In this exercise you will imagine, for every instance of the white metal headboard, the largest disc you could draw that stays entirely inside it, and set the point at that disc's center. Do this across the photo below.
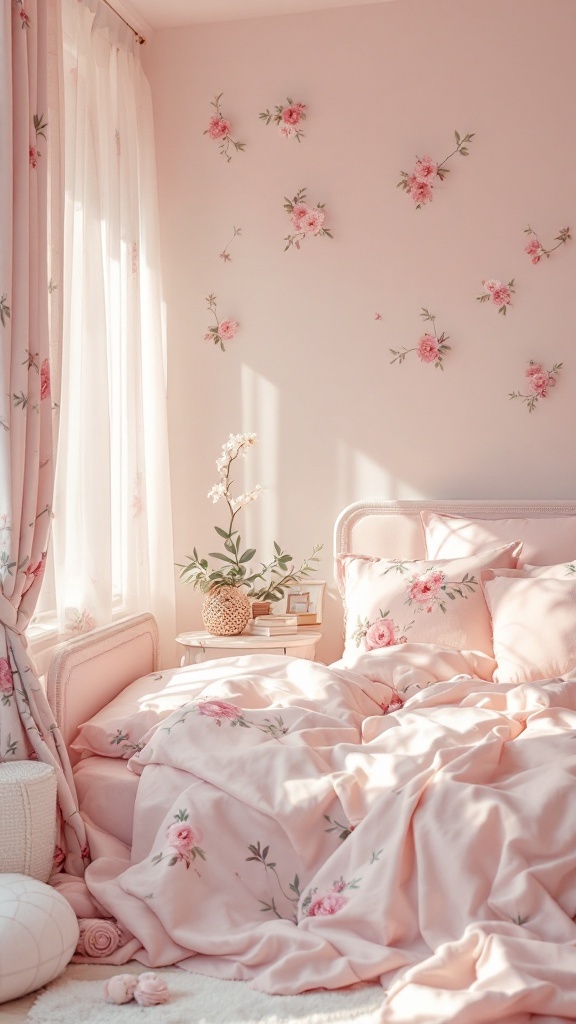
(393, 529)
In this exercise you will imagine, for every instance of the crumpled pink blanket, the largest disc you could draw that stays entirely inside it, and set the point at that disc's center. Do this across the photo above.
(305, 826)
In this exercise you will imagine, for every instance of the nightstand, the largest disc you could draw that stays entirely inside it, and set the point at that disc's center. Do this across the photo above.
(201, 646)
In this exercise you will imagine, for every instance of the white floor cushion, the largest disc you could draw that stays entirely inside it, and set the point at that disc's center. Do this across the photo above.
(38, 935)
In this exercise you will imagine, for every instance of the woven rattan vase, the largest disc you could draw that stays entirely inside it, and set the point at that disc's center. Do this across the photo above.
(226, 611)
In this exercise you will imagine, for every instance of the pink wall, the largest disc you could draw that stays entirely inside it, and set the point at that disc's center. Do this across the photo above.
(309, 369)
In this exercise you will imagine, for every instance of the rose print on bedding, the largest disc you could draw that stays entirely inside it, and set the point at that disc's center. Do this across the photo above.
(260, 855)
(306, 220)
(419, 183)
(540, 382)
(430, 590)
(183, 840)
(381, 632)
(431, 347)
(221, 711)
(122, 739)
(329, 902)
(287, 117)
(534, 248)
(498, 293)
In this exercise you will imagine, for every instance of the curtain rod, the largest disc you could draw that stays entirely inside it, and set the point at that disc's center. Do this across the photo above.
(140, 38)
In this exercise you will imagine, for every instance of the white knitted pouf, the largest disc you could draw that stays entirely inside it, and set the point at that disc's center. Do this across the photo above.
(27, 818)
(38, 935)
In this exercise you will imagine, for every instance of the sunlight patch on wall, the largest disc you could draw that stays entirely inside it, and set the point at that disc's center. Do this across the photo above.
(260, 415)
(361, 476)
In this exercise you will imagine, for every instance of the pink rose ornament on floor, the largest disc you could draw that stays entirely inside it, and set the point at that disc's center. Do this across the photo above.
(120, 989)
(306, 220)
(539, 383)
(420, 181)
(99, 937)
(431, 347)
(151, 990)
(146, 989)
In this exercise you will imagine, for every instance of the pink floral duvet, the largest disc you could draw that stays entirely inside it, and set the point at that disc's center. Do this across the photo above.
(396, 818)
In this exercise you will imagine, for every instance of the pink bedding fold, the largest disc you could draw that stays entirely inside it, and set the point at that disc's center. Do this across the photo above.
(305, 826)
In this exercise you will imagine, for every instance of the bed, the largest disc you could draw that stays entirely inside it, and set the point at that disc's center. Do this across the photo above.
(405, 814)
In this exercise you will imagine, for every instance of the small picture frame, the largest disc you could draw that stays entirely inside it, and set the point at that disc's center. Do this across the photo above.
(297, 603)
(306, 601)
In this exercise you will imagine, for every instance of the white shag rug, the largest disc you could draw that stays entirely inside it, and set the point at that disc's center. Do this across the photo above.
(194, 997)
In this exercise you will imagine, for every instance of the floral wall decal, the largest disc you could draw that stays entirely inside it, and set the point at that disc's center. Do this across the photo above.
(224, 330)
(539, 383)
(288, 118)
(219, 129)
(225, 255)
(306, 220)
(419, 183)
(431, 348)
(498, 293)
(535, 250)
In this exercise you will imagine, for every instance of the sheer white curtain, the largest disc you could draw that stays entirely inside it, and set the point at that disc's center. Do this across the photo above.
(112, 532)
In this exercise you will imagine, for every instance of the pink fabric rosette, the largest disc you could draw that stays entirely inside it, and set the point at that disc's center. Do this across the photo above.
(99, 937)
(151, 990)
(120, 989)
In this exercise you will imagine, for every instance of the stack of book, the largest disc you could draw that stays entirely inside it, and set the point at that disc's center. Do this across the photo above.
(274, 625)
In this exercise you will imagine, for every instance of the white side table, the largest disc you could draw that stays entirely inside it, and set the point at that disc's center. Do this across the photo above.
(201, 646)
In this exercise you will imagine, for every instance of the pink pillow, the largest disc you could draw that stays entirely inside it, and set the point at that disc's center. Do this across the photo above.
(117, 730)
(562, 571)
(533, 625)
(544, 541)
(438, 602)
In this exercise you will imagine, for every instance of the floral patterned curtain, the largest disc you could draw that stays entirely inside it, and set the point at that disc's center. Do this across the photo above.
(27, 726)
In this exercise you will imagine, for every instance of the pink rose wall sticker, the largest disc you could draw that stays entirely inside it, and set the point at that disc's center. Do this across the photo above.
(288, 118)
(224, 330)
(539, 383)
(419, 183)
(535, 250)
(306, 220)
(219, 129)
(431, 348)
(498, 293)
(225, 255)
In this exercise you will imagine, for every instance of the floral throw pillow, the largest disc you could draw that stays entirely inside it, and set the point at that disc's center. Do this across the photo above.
(438, 602)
